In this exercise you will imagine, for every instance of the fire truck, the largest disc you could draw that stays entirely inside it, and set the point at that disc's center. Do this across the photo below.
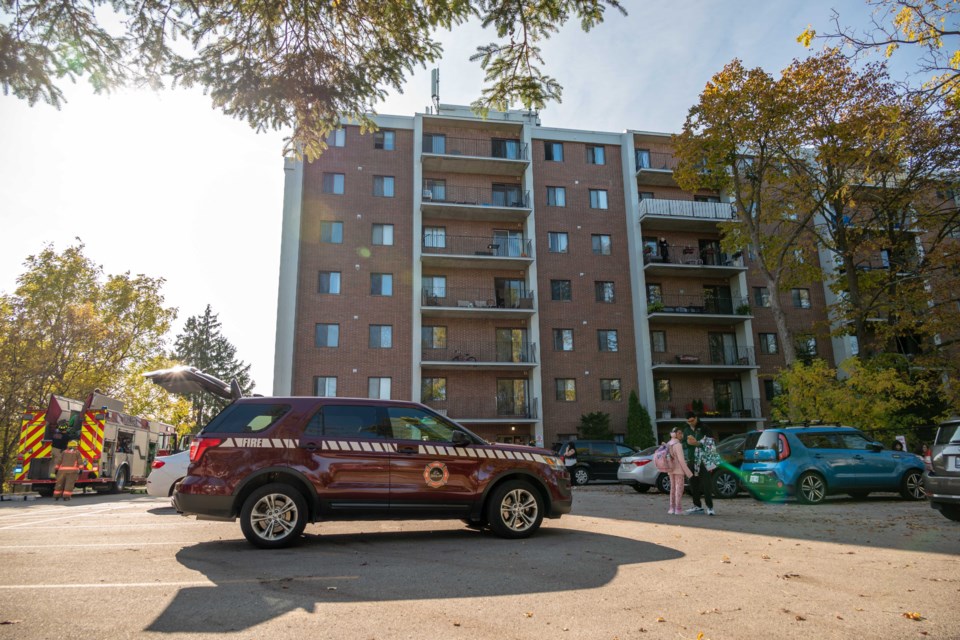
(116, 449)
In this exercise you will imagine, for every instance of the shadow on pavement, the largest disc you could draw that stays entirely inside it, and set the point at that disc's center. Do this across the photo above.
(253, 586)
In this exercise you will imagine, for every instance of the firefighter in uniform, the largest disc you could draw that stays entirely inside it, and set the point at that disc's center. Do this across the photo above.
(59, 442)
(67, 472)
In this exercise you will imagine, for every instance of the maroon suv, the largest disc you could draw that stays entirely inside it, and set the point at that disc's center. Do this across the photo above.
(279, 463)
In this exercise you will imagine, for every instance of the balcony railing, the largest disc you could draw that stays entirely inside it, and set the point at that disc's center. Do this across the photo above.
(699, 303)
(477, 245)
(476, 147)
(702, 353)
(656, 161)
(687, 209)
(483, 352)
(687, 254)
(477, 298)
(733, 407)
(486, 409)
(480, 196)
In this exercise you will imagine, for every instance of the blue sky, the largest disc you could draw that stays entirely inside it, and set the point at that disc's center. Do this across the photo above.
(162, 184)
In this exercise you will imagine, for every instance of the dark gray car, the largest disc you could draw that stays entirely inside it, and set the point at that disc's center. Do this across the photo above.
(942, 479)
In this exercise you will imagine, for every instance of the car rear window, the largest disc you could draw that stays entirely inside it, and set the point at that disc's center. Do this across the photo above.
(246, 418)
(948, 433)
(767, 440)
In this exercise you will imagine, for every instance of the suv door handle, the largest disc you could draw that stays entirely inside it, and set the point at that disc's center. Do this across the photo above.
(310, 446)
(407, 448)
(817, 455)
(858, 457)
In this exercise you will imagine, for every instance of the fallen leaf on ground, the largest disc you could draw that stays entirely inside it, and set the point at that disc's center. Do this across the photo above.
(725, 559)
(800, 618)
(912, 615)
(661, 619)
(529, 614)
(456, 624)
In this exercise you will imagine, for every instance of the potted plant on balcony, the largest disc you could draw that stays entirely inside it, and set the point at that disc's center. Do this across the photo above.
(743, 310)
(697, 406)
(654, 307)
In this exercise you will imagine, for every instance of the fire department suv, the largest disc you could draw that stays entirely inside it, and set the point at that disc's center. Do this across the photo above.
(115, 448)
(279, 463)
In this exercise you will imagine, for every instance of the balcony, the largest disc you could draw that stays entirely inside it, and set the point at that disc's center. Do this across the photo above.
(687, 215)
(475, 203)
(655, 167)
(478, 252)
(487, 156)
(493, 410)
(698, 309)
(476, 303)
(727, 409)
(490, 355)
(700, 357)
(690, 261)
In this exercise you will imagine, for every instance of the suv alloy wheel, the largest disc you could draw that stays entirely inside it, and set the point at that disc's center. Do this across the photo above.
(273, 516)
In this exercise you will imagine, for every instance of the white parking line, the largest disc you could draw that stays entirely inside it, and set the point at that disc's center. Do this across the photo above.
(72, 513)
(92, 545)
(165, 585)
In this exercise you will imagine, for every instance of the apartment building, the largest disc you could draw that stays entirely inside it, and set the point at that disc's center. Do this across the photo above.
(515, 277)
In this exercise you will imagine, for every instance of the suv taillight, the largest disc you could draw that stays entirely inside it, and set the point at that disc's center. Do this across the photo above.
(783, 450)
(199, 446)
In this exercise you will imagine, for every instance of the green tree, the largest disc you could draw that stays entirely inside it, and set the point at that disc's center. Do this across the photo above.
(201, 345)
(595, 426)
(640, 433)
(69, 328)
(299, 65)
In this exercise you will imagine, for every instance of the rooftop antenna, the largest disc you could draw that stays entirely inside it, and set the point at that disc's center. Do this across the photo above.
(435, 88)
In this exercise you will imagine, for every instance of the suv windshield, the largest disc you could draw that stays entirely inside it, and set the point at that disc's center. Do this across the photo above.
(949, 434)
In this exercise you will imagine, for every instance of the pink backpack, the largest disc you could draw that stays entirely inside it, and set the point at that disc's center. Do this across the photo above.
(662, 458)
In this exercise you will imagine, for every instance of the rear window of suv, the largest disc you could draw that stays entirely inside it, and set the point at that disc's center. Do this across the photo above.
(948, 433)
(246, 418)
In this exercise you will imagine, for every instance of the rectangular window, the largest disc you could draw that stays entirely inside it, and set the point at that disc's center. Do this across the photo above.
(381, 336)
(601, 244)
(337, 138)
(381, 284)
(330, 282)
(761, 297)
(595, 154)
(333, 183)
(566, 389)
(433, 337)
(325, 386)
(714, 199)
(801, 298)
(654, 294)
(603, 291)
(647, 195)
(435, 237)
(505, 148)
(553, 151)
(560, 290)
(610, 389)
(327, 335)
(643, 158)
(433, 389)
(556, 196)
(662, 389)
(598, 198)
(768, 343)
(557, 240)
(382, 235)
(434, 190)
(806, 347)
(331, 232)
(772, 388)
(563, 339)
(434, 286)
(658, 341)
(607, 339)
(384, 140)
(378, 388)
(383, 186)
(434, 143)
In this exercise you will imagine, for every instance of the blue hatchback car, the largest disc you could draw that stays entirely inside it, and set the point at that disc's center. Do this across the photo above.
(810, 463)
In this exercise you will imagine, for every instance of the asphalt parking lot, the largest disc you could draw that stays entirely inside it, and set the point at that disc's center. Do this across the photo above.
(619, 567)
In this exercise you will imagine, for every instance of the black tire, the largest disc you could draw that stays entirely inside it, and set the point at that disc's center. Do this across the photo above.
(726, 484)
(45, 491)
(951, 512)
(858, 495)
(663, 483)
(811, 488)
(273, 516)
(121, 480)
(173, 487)
(579, 476)
(515, 510)
(641, 488)
(911, 485)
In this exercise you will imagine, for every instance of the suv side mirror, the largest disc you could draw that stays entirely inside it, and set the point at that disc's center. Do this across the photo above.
(460, 439)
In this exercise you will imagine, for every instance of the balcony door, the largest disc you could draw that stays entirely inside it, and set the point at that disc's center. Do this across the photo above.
(508, 243)
(506, 195)
(503, 148)
(723, 348)
(510, 292)
(512, 345)
(513, 398)
(728, 397)
(717, 299)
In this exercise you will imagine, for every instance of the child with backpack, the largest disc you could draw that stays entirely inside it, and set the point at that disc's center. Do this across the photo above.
(676, 468)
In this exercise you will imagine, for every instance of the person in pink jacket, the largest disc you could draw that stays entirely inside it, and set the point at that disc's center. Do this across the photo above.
(678, 469)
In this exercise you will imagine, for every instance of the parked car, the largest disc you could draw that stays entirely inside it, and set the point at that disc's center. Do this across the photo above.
(726, 477)
(596, 459)
(942, 479)
(811, 463)
(166, 472)
(639, 472)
